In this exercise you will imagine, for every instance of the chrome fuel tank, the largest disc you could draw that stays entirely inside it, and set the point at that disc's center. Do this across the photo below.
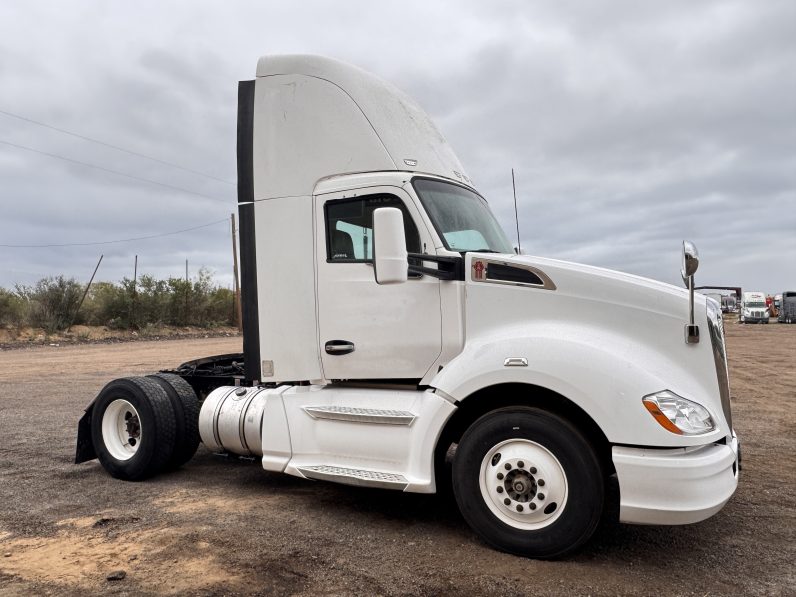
(231, 420)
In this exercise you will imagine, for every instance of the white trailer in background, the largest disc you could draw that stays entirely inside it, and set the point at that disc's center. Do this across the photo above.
(392, 338)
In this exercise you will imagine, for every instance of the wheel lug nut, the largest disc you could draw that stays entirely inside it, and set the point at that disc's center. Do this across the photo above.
(500, 475)
(540, 482)
(500, 489)
(507, 501)
(519, 508)
(532, 506)
(521, 464)
(507, 466)
(532, 470)
(540, 496)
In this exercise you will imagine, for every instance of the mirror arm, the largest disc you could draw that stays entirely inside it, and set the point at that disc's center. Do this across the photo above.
(690, 265)
(449, 268)
(691, 329)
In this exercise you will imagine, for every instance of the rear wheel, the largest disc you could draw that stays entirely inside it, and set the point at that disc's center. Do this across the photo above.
(528, 482)
(186, 413)
(133, 428)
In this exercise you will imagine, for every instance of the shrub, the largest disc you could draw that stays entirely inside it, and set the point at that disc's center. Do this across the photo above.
(13, 309)
(51, 302)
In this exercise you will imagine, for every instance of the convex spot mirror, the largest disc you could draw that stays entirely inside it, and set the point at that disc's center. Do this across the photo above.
(690, 261)
(389, 246)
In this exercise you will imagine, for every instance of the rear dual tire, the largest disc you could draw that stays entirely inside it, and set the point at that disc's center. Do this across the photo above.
(144, 425)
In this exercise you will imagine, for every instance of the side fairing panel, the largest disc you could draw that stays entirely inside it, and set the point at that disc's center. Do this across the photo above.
(377, 432)
(286, 290)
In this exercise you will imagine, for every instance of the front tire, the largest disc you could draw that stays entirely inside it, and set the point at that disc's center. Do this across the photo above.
(133, 428)
(528, 483)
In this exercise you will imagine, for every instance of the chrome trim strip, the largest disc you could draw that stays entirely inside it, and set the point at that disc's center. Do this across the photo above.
(716, 330)
(360, 415)
(351, 476)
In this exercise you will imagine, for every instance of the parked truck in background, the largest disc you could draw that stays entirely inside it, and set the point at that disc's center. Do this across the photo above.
(753, 308)
(787, 309)
(392, 338)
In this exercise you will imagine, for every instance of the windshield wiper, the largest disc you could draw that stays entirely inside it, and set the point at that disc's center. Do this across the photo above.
(481, 251)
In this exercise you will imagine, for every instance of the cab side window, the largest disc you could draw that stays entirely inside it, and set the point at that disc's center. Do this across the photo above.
(349, 227)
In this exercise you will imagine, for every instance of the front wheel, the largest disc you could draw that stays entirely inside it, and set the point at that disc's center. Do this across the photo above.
(528, 482)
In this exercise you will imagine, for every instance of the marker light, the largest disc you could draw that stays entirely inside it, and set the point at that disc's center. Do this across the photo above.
(677, 414)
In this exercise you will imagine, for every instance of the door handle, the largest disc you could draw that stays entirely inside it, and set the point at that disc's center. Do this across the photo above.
(338, 347)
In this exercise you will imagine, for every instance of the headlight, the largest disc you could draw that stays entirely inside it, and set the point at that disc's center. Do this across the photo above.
(677, 414)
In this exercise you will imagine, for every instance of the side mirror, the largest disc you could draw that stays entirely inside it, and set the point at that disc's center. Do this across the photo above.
(389, 246)
(690, 261)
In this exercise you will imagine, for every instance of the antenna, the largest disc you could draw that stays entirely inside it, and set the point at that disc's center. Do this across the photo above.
(516, 217)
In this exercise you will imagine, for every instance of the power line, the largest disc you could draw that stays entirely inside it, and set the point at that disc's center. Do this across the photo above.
(149, 180)
(121, 240)
(116, 147)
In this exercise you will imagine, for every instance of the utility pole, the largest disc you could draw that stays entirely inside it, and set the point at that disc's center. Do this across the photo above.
(135, 293)
(71, 323)
(187, 289)
(236, 308)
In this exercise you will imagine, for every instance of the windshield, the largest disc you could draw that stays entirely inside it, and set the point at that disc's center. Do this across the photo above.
(751, 304)
(461, 217)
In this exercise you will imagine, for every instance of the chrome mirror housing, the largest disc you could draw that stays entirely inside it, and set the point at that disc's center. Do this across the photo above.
(690, 261)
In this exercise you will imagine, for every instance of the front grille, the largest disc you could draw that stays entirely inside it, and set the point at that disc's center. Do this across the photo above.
(716, 328)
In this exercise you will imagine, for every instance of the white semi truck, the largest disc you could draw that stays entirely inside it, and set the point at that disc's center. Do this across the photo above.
(393, 338)
(753, 308)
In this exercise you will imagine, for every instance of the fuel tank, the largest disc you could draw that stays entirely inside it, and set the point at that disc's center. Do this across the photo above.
(231, 420)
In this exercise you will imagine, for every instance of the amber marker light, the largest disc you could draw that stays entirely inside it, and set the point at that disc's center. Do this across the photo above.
(660, 417)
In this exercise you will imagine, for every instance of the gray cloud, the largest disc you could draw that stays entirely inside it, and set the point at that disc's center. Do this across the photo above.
(630, 125)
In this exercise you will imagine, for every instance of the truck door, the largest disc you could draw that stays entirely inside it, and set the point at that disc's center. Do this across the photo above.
(367, 330)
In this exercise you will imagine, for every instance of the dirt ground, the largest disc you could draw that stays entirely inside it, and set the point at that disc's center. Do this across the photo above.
(224, 527)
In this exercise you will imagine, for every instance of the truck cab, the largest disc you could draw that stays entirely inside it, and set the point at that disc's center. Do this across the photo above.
(753, 308)
(393, 338)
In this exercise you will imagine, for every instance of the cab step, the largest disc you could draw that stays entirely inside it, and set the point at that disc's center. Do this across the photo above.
(352, 476)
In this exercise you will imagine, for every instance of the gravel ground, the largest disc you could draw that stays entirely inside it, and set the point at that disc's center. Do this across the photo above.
(224, 527)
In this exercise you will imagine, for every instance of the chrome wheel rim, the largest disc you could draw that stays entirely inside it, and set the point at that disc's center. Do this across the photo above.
(523, 484)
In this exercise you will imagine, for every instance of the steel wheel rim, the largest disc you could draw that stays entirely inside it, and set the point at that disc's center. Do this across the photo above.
(523, 484)
(121, 429)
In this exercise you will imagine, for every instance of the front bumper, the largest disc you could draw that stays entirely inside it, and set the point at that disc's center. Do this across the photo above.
(675, 486)
(747, 319)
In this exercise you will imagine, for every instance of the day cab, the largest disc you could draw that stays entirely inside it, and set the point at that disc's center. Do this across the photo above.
(393, 338)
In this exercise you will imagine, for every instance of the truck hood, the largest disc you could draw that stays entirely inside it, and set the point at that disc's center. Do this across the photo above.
(600, 285)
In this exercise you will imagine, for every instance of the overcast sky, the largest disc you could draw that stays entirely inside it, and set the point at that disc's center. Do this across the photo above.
(630, 125)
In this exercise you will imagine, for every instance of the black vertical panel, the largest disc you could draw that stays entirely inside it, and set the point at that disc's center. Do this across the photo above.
(248, 246)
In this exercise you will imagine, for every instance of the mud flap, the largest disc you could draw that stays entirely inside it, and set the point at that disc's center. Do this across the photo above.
(85, 447)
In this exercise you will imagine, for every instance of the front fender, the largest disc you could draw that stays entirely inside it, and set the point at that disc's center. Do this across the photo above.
(604, 373)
